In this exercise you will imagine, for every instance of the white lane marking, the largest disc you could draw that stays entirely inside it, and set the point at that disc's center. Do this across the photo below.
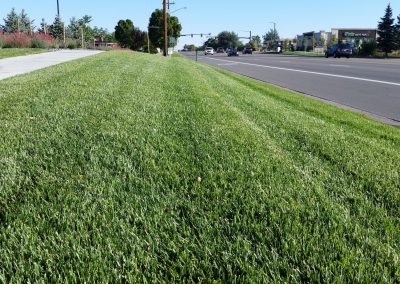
(338, 65)
(311, 72)
(227, 64)
(284, 61)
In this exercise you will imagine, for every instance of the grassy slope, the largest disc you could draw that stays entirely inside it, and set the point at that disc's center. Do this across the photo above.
(124, 166)
(13, 52)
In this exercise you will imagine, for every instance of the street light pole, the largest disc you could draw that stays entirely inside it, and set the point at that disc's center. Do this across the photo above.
(183, 8)
(58, 8)
(165, 28)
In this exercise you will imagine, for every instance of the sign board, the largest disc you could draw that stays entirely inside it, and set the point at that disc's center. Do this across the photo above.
(356, 34)
(172, 40)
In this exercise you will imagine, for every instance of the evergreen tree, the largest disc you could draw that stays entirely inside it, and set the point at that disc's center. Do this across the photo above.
(25, 23)
(397, 33)
(11, 22)
(386, 32)
(74, 28)
(57, 28)
(44, 27)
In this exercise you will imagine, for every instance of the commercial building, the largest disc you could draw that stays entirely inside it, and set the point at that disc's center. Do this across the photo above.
(311, 40)
(356, 36)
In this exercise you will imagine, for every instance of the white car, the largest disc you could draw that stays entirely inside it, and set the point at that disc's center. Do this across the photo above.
(209, 50)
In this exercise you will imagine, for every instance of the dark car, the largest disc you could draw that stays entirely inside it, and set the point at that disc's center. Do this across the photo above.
(247, 50)
(233, 52)
(338, 50)
(220, 50)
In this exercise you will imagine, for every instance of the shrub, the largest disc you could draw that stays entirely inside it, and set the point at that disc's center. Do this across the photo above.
(17, 40)
(38, 43)
(368, 48)
(71, 44)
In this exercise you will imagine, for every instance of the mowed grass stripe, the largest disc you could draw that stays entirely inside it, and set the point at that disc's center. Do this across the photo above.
(124, 167)
(13, 52)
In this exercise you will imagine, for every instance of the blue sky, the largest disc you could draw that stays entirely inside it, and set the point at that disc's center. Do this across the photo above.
(291, 16)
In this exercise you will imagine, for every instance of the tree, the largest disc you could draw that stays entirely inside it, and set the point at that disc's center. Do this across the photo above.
(138, 39)
(228, 39)
(397, 33)
(190, 47)
(211, 42)
(84, 24)
(255, 42)
(74, 28)
(368, 48)
(123, 33)
(386, 32)
(44, 27)
(332, 41)
(104, 33)
(271, 37)
(322, 41)
(57, 28)
(156, 27)
(313, 42)
(25, 23)
(11, 22)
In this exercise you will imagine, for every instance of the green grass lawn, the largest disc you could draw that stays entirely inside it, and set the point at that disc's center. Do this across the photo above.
(13, 52)
(127, 167)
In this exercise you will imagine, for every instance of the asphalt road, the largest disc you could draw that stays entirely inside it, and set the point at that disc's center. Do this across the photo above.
(370, 86)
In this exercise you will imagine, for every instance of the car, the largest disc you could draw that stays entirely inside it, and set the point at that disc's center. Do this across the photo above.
(233, 52)
(209, 50)
(247, 50)
(338, 50)
(220, 50)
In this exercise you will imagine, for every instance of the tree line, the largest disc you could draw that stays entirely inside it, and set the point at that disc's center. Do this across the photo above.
(21, 23)
(126, 34)
(129, 36)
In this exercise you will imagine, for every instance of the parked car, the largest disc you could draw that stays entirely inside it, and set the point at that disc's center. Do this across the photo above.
(247, 50)
(233, 52)
(338, 50)
(220, 50)
(209, 50)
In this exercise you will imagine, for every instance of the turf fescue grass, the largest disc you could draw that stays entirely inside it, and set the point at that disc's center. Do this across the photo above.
(13, 52)
(127, 167)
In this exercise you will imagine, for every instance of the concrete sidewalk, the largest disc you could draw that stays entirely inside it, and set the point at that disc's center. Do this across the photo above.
(24, 64)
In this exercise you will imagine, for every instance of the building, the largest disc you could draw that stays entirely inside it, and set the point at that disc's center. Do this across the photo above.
(99, 42)
(311, 40)
(355, 36)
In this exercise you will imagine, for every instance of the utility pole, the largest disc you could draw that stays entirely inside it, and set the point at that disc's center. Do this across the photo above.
(165, 28)
(64, 34)
(82, 37)
(169, 3)
(58, 8)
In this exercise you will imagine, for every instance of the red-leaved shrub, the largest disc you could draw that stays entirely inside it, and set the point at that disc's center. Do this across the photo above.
(22, 40)
(16, 40)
